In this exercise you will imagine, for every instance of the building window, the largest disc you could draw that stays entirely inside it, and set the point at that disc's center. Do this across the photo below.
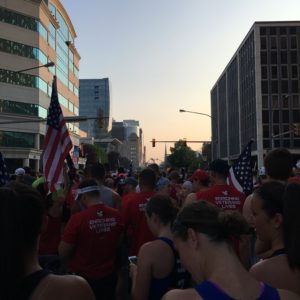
(265, 116)
(274, 85)
(294, 71)
(273, 30)
(263, 31)
(22, 50)
(265, 103)
(295, 88)
(283, 57)
(22, 79)
(20, 108)
(294, 57)
(293, 42)
(285, 101)
(264, 72)
(296, 116)
(273, 42)
(275, 102)
(285, 116)
(275, 129)
(274, 57)
(263, 42)
(284, 86)
(275, 116)
(266, 131)
(295, 101)
(283, 42)
(292, 30)
(264, 87)
(263, 58)
(13, 18)
(17, 139)
(274, 72)
(284, 72)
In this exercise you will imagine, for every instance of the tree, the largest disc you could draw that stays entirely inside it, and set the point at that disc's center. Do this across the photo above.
(94, 153)
(183, 156)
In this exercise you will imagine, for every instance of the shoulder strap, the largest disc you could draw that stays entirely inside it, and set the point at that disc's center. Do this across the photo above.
(268, 293)
(208, 291)
(167, 241)
(30, 283)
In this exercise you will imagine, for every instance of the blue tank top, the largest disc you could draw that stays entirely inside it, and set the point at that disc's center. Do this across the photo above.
(210, 291)
(179, 277)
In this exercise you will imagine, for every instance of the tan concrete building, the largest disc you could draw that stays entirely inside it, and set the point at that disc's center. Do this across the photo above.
(33, 33)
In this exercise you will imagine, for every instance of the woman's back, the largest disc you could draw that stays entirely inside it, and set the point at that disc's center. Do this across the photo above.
(62, 287)
(276, 272)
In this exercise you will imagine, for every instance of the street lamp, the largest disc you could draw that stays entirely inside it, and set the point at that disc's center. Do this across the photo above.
(194, 112)
(47, 65)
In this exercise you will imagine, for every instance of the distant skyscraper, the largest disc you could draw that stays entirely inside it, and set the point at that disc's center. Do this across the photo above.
(94, 99)
(131, 136)
(257, 95)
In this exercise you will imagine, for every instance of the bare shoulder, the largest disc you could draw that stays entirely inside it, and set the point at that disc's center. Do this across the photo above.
(190, 294)
(190, 199)
(287, 295)
(67, 287)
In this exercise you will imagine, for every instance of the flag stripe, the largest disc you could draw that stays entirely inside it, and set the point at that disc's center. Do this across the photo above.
(57, 144)
(240, 173)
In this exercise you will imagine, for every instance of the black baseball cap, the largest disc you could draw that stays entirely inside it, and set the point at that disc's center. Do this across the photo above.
(219, 166)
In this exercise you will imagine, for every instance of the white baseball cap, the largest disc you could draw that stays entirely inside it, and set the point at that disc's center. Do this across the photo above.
(19, 172)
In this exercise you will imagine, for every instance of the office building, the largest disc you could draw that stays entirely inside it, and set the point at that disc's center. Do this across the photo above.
(94, 95)
(257, 95)
(34, 33)
(131, 136)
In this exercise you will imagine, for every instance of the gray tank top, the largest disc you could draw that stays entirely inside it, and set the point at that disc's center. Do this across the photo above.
(106, 196)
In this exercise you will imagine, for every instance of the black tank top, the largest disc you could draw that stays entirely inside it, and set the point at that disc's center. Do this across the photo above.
(30, 283)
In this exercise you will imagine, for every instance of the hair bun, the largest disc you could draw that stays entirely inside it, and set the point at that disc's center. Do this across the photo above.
(232, 223)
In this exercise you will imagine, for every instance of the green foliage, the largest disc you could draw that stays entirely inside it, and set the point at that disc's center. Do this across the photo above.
(183, 156)
(94, 153)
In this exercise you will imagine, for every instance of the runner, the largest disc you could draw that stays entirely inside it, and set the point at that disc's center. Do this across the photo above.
(153, 276)
(91, 239)
(202, 236)
(22, 219)
(221, 194)
(274, 205)
(134, 213)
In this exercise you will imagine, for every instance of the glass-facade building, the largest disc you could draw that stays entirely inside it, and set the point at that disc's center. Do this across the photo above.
(257, 95)
(33, 34)
(94, 95)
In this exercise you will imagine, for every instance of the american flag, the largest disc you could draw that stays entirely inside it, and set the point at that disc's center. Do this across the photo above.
(240, 173)
(4, 176)
(57, 144)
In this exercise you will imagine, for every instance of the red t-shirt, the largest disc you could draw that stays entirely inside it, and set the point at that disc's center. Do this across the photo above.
(95, 234)
(135, 219)
(224, 196)
(50, 239)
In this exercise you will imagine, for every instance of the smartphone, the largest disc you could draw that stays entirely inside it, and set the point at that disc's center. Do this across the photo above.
(132, 260)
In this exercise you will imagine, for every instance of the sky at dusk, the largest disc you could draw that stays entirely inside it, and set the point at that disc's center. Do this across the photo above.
(164, 55)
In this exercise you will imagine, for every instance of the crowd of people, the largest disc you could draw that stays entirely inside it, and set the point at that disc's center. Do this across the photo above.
(153, 235)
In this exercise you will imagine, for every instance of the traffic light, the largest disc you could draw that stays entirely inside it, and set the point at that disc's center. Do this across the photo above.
(296, 129)
(153, 142)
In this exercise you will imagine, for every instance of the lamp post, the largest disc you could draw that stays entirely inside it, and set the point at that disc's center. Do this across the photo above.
(194, 112)
(198, 113)
(47, 65)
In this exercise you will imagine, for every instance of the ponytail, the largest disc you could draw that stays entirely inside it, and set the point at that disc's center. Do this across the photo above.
(291, 224)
